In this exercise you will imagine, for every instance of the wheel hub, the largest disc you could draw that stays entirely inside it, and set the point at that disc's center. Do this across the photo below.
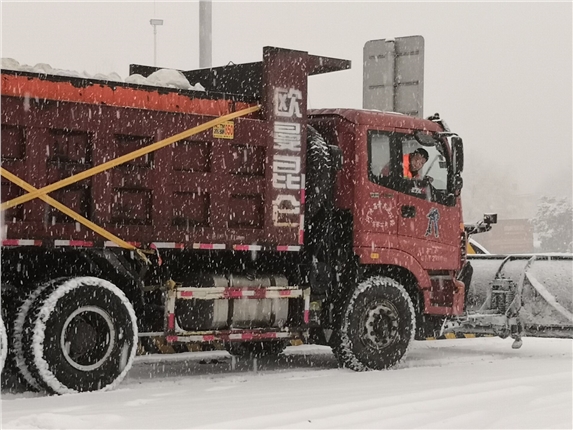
(87, 338)
(380, 325)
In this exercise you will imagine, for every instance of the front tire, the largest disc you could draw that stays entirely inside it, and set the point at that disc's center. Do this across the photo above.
(80, 334)
(377, 327)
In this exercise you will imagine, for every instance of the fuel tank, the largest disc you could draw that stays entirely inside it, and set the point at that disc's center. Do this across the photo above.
(227, 313)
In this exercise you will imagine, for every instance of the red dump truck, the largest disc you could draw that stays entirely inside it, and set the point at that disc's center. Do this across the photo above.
(233, 215)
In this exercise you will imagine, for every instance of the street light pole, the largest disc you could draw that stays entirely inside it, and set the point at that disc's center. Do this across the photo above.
(155, 23)
(205, 34)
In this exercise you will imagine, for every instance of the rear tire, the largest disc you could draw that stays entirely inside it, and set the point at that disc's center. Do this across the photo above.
(378, 326)
(23, 323)
(80, 334)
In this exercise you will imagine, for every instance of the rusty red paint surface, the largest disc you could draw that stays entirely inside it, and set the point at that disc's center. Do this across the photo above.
(199, 190)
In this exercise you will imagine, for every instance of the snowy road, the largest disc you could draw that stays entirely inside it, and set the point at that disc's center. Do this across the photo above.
(462, 383)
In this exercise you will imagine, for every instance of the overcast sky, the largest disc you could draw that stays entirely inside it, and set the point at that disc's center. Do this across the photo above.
(500, 74)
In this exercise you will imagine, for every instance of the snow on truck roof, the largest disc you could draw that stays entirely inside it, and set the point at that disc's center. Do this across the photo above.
(168, 78)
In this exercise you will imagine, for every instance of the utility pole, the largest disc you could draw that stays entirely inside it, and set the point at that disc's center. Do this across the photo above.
(205, 34)
(155, 23)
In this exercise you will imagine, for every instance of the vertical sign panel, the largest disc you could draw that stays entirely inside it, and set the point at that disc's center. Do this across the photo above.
(284, 107)
(378, 79)
(394, 75)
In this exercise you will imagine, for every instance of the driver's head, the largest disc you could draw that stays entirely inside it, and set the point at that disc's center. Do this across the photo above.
(417, 159)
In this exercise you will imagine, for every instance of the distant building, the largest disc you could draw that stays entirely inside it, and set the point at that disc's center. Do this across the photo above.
(508, 236)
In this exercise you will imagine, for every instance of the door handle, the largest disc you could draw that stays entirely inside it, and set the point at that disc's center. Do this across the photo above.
(408, 211)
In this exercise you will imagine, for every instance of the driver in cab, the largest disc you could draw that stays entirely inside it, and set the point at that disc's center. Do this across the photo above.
(414, 162)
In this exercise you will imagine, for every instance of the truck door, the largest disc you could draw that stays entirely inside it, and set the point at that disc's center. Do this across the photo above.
(377, 224)
(428, 217)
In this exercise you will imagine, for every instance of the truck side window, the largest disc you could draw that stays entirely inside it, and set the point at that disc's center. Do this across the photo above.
(379, 166)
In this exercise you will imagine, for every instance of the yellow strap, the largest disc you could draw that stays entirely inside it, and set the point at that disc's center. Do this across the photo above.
(123, 159)
(67, 211)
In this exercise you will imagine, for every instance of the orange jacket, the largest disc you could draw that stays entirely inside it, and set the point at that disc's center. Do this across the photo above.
(406, 166)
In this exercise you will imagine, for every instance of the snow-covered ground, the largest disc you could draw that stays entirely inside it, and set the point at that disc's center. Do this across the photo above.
(461, 383)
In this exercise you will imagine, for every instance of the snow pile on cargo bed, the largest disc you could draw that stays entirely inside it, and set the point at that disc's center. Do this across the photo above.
(169, 78)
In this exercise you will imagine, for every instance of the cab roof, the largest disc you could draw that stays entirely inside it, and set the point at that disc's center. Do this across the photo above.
(376, 118)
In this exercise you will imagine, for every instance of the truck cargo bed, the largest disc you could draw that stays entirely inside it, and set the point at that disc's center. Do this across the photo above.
(204, 190)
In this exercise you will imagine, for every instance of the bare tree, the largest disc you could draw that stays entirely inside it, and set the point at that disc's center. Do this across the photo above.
(554, 224)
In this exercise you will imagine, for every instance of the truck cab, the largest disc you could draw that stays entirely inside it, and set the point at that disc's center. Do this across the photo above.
(398, 223)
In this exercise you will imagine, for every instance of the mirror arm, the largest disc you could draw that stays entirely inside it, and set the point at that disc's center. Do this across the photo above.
(479, 227)
(446, 134)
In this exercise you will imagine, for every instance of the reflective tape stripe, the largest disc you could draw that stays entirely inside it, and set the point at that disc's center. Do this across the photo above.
(21, 242)
(288, 248)
(168, 245)
(459, 336)
(209, 246)
(110, 244)
(171, 321)
(247, 247)
(241, 336)
(306, 307)
(164, 245)
(73, 243)
(232, 293)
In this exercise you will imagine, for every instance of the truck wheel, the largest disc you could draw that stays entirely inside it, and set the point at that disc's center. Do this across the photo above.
(79, 334)
(377, 327)
(3, 344)
(255, 349)
(22, 321)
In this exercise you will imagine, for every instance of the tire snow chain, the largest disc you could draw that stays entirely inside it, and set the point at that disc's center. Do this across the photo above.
(42, 193)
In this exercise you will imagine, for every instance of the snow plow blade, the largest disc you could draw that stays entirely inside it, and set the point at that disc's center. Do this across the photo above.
(519, 295)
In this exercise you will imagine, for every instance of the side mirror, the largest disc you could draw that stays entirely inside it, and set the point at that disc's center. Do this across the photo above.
(490, 218)
(458, 154)
(425, 139)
